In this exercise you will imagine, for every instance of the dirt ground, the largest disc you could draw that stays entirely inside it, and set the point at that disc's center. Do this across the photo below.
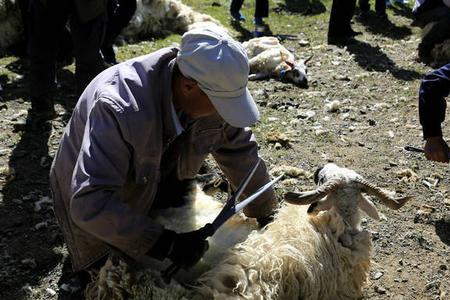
(359, 111)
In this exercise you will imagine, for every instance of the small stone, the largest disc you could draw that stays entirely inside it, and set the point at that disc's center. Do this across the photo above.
(41, 225)
(29, 262)
(303, 43)
(333, 106)
(278, 146)
(380, 290)
(17, 201)
(377, 275)
(372, 122)
(50, 291)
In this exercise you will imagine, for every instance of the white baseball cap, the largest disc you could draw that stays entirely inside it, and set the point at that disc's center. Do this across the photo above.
(220, 66)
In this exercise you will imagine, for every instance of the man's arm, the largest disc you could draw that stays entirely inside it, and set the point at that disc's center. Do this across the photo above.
(235, 158)
(432, 107)
(97, 205)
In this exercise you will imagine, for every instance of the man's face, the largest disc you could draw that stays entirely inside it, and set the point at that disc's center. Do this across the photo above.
(197, 104)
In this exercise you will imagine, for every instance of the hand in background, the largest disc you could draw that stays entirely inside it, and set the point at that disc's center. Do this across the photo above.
(436, 149)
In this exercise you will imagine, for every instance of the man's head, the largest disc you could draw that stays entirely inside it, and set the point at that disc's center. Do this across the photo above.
(214, 70)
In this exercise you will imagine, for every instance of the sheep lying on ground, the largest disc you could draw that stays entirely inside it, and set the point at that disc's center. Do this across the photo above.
(325, 255)
(268, 58)
(159, 17)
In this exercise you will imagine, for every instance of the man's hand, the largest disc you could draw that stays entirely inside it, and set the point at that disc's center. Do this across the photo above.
(436, 149)
(188, 248)
(263, 221)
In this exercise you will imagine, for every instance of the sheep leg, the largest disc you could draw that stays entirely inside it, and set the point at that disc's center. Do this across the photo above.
(259, 76)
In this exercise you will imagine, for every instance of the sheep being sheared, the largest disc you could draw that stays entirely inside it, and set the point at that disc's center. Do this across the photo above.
(319, 252)
(159, 17)
(268, 58)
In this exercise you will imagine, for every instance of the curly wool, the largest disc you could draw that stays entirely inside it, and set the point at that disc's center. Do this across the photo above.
(295, 257)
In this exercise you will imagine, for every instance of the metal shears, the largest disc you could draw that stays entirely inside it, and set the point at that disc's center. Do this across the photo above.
(230, 209)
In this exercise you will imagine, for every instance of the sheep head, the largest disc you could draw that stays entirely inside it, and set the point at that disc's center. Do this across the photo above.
(296, 72)
(343, 189)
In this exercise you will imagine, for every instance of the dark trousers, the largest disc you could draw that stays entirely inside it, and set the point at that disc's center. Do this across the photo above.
(120, 13)
(47, 22)
(380, 6)
(435, 33)
(340, 17)
(261, 8)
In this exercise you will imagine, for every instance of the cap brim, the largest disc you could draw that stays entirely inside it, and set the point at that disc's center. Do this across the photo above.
(237, 111)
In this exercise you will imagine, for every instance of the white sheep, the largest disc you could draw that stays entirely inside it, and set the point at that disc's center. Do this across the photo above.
(268, 58)
(10, 23)
(158, 17)
(316, 253)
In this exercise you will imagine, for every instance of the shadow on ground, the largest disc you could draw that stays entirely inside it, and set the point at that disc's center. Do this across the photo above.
(304, 7)
(372, 58)
(31, 241)
(383, 26)
(443, 231)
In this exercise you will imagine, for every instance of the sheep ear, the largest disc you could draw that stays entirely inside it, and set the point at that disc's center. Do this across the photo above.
(369, 208)
(323, 204)
(303, 198)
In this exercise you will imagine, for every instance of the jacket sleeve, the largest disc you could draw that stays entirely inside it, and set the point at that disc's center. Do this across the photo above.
(100, 172)
(434, 88)
(235, 157)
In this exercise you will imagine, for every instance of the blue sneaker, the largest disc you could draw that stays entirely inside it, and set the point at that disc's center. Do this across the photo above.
(237, 17)
(259, 31)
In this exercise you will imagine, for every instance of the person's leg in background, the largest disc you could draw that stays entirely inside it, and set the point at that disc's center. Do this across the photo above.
(87, 40)
(261, 12)
(380, 8)
(364, 6)
(120, 13)
(45, 23)
(235, 8)
(339, 26)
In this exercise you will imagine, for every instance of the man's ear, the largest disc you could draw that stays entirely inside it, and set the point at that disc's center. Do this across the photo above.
(188, 85)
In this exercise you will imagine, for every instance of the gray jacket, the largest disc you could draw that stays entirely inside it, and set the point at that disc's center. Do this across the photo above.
(106, 170)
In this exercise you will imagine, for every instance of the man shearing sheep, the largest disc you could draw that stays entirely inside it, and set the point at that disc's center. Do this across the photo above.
(140, 131)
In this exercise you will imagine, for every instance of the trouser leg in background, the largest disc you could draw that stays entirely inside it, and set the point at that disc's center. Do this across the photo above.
(435, 34)
(364, 5)
(46, 23)
(87, 39)
(380, 7)
(262, 9)
(339, 21)
(120, 13)
(236, 5)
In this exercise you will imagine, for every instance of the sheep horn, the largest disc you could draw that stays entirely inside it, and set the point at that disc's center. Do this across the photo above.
(305, 198)
(308, 59)
(393, 203)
